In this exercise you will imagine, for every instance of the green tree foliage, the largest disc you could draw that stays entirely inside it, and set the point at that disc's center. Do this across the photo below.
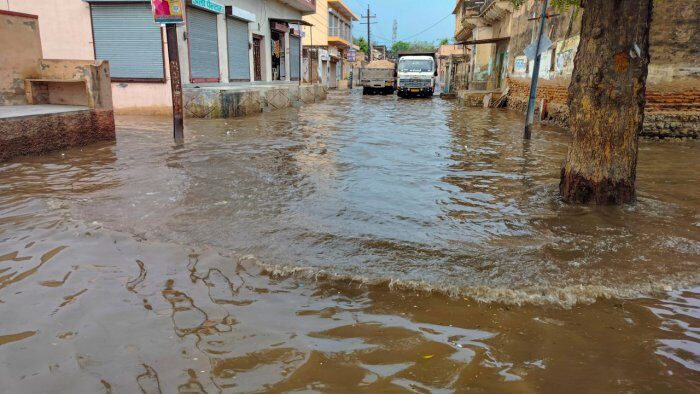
(444, 41)
(400, 46)
(360, 42)
(416, 46)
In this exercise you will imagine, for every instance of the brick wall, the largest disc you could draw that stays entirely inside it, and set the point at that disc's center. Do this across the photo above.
(668, 114)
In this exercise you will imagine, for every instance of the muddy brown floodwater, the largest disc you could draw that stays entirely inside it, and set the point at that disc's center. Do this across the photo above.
(362, 244)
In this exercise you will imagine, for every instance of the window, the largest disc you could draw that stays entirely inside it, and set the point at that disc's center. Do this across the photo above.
(418, 65)
(125, 35)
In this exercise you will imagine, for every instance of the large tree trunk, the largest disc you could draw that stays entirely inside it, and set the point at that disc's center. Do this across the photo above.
(606, 102)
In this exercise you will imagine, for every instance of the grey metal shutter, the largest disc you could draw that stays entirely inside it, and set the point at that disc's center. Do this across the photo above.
(238, 53)
(294, 53)
(125, 35)
(204, 44)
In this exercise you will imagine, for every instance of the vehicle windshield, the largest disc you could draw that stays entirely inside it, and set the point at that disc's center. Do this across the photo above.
(416, 65)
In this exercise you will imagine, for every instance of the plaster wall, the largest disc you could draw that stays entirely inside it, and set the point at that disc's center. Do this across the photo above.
(20, 39)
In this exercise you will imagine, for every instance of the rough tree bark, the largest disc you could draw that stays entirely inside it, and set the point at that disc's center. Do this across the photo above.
(606, 102)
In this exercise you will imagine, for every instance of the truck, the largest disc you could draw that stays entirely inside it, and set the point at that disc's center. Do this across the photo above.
(416, 74)
(378, 76)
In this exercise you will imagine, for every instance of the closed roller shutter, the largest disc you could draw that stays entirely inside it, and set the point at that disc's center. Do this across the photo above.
(294, 53)
(204, 46)
(238, 53)
(126, 36)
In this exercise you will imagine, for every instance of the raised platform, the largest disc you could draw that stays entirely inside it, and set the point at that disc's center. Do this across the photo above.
(230, 101)
(19, 111)
(36, 129)
(475, 98)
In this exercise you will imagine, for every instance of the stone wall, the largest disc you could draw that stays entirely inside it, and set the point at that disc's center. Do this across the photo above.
(230, 103)
(37, 134)
(668, 114)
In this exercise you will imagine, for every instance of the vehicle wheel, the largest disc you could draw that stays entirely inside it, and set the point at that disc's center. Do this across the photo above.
(364, 91)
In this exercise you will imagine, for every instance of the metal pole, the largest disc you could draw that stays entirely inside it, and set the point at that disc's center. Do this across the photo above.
(369, 41)
(470, 76)
(535, 75)
(311, 57)
(175, 82)
(448, 76)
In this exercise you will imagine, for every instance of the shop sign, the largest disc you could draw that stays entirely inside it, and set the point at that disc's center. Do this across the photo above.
(209, 5)
(167, 11)
(351, 54)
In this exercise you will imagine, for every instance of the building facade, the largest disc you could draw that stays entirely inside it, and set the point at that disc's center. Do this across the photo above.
(327, 41)
(498, 34)
(452, 67)
(222, 43)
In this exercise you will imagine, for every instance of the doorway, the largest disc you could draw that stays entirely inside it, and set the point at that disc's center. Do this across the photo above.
(257, 57)
(278, 58)
(333, 77)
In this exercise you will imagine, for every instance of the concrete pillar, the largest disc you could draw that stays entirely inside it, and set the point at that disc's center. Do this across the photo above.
(223, 47)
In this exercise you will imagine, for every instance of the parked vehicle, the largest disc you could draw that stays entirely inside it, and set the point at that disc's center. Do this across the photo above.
(378, 77)
(416, 74)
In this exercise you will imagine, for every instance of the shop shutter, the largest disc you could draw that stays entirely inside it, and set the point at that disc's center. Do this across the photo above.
(238, 53)
(204, 46)
(294, 53)
(126, 36)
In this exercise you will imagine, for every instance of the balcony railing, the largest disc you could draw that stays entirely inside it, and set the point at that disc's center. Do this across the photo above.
(345, 34)
(486, 5)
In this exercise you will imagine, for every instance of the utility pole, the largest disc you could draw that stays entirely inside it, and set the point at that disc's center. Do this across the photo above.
(369, 22)
(394, 32)
(535, 75)
(175, 82)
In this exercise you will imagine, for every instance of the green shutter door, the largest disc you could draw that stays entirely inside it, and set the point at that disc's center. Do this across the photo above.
(294, 54)
(238, 53)
(204, 45)
(126, 36)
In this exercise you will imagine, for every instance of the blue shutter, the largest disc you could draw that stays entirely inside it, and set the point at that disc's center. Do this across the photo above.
(294, 54)
(238, 53)
(125, 35)
(204, 44)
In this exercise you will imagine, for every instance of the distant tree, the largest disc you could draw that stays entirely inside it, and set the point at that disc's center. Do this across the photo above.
(416, 46)
(422, 46)
(444, 41)
(362, 43)
(400, 46)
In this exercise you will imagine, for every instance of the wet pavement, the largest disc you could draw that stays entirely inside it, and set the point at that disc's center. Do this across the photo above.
(359, 244)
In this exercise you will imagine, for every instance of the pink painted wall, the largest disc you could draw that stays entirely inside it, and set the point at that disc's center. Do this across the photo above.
(62, 40)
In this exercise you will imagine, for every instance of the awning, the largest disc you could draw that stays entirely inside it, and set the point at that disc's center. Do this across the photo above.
(484, 41)
(293, 21)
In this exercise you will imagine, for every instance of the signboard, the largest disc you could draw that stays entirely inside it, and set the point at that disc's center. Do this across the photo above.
(545, 44)
(168, 11)
(520, 66)
(209, 5)
(351, 55)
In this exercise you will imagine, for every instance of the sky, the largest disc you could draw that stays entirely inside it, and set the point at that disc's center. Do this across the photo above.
(413, 16)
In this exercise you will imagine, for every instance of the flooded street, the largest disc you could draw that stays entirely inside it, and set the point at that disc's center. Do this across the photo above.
(361, 244)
